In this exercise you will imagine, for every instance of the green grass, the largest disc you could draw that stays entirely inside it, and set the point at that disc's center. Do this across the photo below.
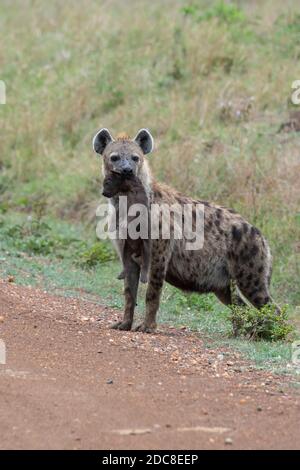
(211, 79)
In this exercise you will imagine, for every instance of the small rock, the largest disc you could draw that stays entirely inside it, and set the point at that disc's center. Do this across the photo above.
(11, 279)
(228, 441)
(1, 319)
(110, 381)
(259, 408)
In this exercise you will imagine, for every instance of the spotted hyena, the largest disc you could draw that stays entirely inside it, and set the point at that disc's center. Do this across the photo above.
(233, 251)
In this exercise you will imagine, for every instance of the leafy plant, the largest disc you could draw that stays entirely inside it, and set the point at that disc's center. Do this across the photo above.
(266, 323)
(34, 236)
(98, 253)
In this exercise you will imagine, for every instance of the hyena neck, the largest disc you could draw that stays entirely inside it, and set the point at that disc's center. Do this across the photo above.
(146, 178)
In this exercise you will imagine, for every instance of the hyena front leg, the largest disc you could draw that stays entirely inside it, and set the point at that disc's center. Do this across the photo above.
(157, 274)
(131, 283)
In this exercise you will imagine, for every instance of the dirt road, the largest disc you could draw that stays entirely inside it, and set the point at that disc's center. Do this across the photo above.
(70, 382)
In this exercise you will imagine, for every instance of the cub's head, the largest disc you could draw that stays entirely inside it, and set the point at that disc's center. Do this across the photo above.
(123, 155)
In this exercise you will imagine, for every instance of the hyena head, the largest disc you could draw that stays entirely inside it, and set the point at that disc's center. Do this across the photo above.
(123, 155)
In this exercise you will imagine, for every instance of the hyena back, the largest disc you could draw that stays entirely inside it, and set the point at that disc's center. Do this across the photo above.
(233, 250)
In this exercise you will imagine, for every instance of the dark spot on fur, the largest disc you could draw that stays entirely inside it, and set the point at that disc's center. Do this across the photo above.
(260, 269)
(219, 213)
(249, 277)
(254, 292)
(150, 296)
(205, 203)
(245, 227)
(257, 301)
(253, 251)
(208, 225)
(244, 255)
(254, 231)
(251, 265)
(236, 233)
(224, 271)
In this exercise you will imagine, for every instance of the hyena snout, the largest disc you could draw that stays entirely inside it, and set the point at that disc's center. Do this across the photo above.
(127, 171)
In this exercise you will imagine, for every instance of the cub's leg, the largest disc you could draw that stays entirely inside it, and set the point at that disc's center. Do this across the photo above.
(146, 258)
(119, 247)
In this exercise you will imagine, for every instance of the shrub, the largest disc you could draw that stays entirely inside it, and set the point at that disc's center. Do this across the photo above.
(98, 253)
(264, 324)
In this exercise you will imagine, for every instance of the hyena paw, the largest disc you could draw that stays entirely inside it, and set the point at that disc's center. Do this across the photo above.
(146, 328)
(122, 325)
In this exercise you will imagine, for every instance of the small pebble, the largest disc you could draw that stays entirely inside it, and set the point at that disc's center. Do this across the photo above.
(110, 381)
(228, 441)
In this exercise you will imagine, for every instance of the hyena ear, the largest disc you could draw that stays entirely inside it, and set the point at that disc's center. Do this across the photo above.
(145, 140)
(101, 140)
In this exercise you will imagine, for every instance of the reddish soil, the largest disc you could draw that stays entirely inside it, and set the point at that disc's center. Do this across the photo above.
(71, 383)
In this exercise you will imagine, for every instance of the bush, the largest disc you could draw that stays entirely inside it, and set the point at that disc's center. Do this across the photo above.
(99, 253)
(264, 324)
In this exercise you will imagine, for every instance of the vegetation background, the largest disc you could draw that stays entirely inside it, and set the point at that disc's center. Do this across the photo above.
(211, 80)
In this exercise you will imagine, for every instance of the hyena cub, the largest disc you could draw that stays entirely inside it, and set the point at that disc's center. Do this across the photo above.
(139, 249)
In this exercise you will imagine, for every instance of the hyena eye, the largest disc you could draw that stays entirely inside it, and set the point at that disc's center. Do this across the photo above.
(115, 158)
(135, 158)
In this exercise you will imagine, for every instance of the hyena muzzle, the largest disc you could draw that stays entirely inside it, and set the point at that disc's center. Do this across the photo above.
(233, 250)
